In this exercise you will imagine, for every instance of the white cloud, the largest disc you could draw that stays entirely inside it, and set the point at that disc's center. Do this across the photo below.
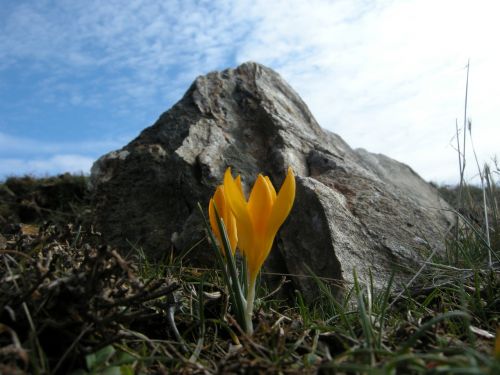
(21, 156)
(130, 52)
(45, 166)
(385, 75)
(15, 146)
(389, 77)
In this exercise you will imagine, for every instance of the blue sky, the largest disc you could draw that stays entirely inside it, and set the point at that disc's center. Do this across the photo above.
(81, 78)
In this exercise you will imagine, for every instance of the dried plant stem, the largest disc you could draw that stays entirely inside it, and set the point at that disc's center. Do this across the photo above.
(482, 176)
(461, 155)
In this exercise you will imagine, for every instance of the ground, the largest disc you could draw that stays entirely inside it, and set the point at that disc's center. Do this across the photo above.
(69, 303)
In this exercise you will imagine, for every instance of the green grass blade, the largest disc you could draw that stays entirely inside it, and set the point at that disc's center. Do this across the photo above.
(222, 265)
(413, 339)
(363, 314)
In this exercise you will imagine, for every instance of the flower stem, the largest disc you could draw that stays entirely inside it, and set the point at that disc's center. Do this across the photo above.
(249, 306)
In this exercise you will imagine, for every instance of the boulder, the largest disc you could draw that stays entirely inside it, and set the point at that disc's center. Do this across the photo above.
(354, 210)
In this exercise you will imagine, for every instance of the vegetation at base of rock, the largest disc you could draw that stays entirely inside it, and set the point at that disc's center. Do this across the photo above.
(71, 304)
(31, 200)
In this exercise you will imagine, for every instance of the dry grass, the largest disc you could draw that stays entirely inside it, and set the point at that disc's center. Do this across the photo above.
(70, 304)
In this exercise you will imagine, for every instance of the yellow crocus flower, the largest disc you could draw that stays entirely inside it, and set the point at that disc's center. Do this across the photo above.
(225, 213)
(259, 219)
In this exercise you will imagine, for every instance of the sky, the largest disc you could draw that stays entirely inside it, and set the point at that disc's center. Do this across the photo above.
(81, 78)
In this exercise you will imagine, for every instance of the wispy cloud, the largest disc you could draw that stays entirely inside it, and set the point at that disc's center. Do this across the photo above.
(389, 75)
(386, 75)
(133, 53)
(14, 146)
(45, 166)
(21, 156)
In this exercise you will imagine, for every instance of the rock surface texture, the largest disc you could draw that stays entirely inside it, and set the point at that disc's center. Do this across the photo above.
(353, 209)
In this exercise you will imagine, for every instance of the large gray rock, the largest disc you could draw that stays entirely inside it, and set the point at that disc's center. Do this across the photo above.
(353, 209)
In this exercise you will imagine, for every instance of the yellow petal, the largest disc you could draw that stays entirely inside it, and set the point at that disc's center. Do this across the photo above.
(258, 220)
(260, 205)
(234, 192)
(226, 215)
(238, 205)
(213, 220)
(219, 200)
(271, 188)
(238, 183)
(232, 232)
(222, 206)
(282, 205)
(240, 188)
(255, 259)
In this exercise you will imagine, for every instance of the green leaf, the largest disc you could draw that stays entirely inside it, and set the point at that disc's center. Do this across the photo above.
(228, 268)
(413, 339)
(126, 370)
(94, 360)
(113, 370)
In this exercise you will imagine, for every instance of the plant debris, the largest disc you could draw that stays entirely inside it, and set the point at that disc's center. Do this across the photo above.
(71, 296)
(70, 304)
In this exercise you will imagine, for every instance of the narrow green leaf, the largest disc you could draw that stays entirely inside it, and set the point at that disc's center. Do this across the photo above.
(233, 273)
(413, 339)
(219, 257)
(363, 315)
(384, 308)
(228, 268)
(100, 357)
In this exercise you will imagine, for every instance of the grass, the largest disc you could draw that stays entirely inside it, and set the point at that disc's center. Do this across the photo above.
(71, 305)
(29, 199)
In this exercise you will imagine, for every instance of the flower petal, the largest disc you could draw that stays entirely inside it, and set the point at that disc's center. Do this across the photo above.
(260, 205)
(213, 220)
(238, 183)
(271, 188)
(238, 204)
(232, 232)
(261, 247)
(226, 215)
(220, 202)
(280, 210)
(283, 204)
